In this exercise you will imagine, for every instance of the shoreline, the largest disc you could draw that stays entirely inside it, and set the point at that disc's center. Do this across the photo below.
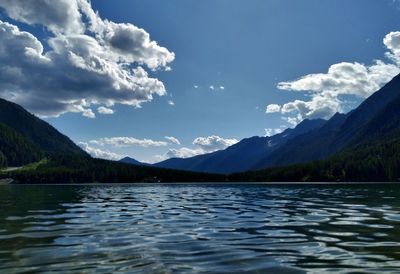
(6, 181)
(10, 182)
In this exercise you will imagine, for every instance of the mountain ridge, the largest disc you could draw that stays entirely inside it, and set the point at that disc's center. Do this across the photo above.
(132, 161)
(340, 132)
(364, 142)
(242, 155)
(41, 133)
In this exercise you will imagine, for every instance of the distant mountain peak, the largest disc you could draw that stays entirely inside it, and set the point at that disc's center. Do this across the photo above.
(242, 155)
(129, 160)
(311, 139)
(377, 116)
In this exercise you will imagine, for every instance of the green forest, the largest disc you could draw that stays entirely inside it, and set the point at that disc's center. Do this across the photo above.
(369, 162)
(79, 169)
(371, 152)
(15, 149)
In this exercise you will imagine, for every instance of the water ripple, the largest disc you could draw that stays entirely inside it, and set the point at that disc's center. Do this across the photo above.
(199, 229)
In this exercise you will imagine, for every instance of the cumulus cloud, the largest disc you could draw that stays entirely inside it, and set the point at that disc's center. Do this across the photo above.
(221, 87)
(213, 143)
(61, 16)
(99, 153)
(273, 108)
(173, 140)
(212, 87)
(293, 121)
(104, 110)
(88, 113)
(392, 42)
(203, 145)
(319, 106)
(171, 103)
(128, 141)
(89, 61)
(133, 44)
(273, 131)
(345, 78)
(326, 90)
(183, 152)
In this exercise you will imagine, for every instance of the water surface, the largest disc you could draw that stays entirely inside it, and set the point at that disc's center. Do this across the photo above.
(200, 229)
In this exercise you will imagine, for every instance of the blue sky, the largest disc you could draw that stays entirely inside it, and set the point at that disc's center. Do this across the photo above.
(251, 52)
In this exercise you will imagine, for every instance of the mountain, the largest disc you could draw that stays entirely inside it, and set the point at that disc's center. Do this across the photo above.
(15, 149)
(40, 133)
(375, 105)
(313, 145)
(66, 169)
(385, 124)
(373, 161)
(24, 139)
(241, 156)
(363, 145)
(375, 118)
(129, 160)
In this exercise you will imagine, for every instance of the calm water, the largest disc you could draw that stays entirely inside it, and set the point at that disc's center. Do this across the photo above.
(199, 229)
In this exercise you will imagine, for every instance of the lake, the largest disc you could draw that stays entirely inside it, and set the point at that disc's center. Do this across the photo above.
(187, 228)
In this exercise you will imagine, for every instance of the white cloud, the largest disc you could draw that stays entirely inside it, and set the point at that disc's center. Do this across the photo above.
(326, 90)
(99, 153)
(171, 103)
(392, 42)
(345, 79)
(271, 108)
(213, 143)
(88, 113)
(96, 142)
(132, 44)
(196, 86)
(128, 141)
(212, 87)
(273, 131)
(173, 140)
(203, 145)
(183, 152)
(88, 62)
(61, 16)
(319, 106)
(104, 110)
(293, 121)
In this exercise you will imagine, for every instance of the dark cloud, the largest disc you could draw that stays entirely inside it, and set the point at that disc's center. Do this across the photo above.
(81, 69)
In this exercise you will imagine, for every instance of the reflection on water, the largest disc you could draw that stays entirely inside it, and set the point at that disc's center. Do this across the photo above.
(199, 229)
